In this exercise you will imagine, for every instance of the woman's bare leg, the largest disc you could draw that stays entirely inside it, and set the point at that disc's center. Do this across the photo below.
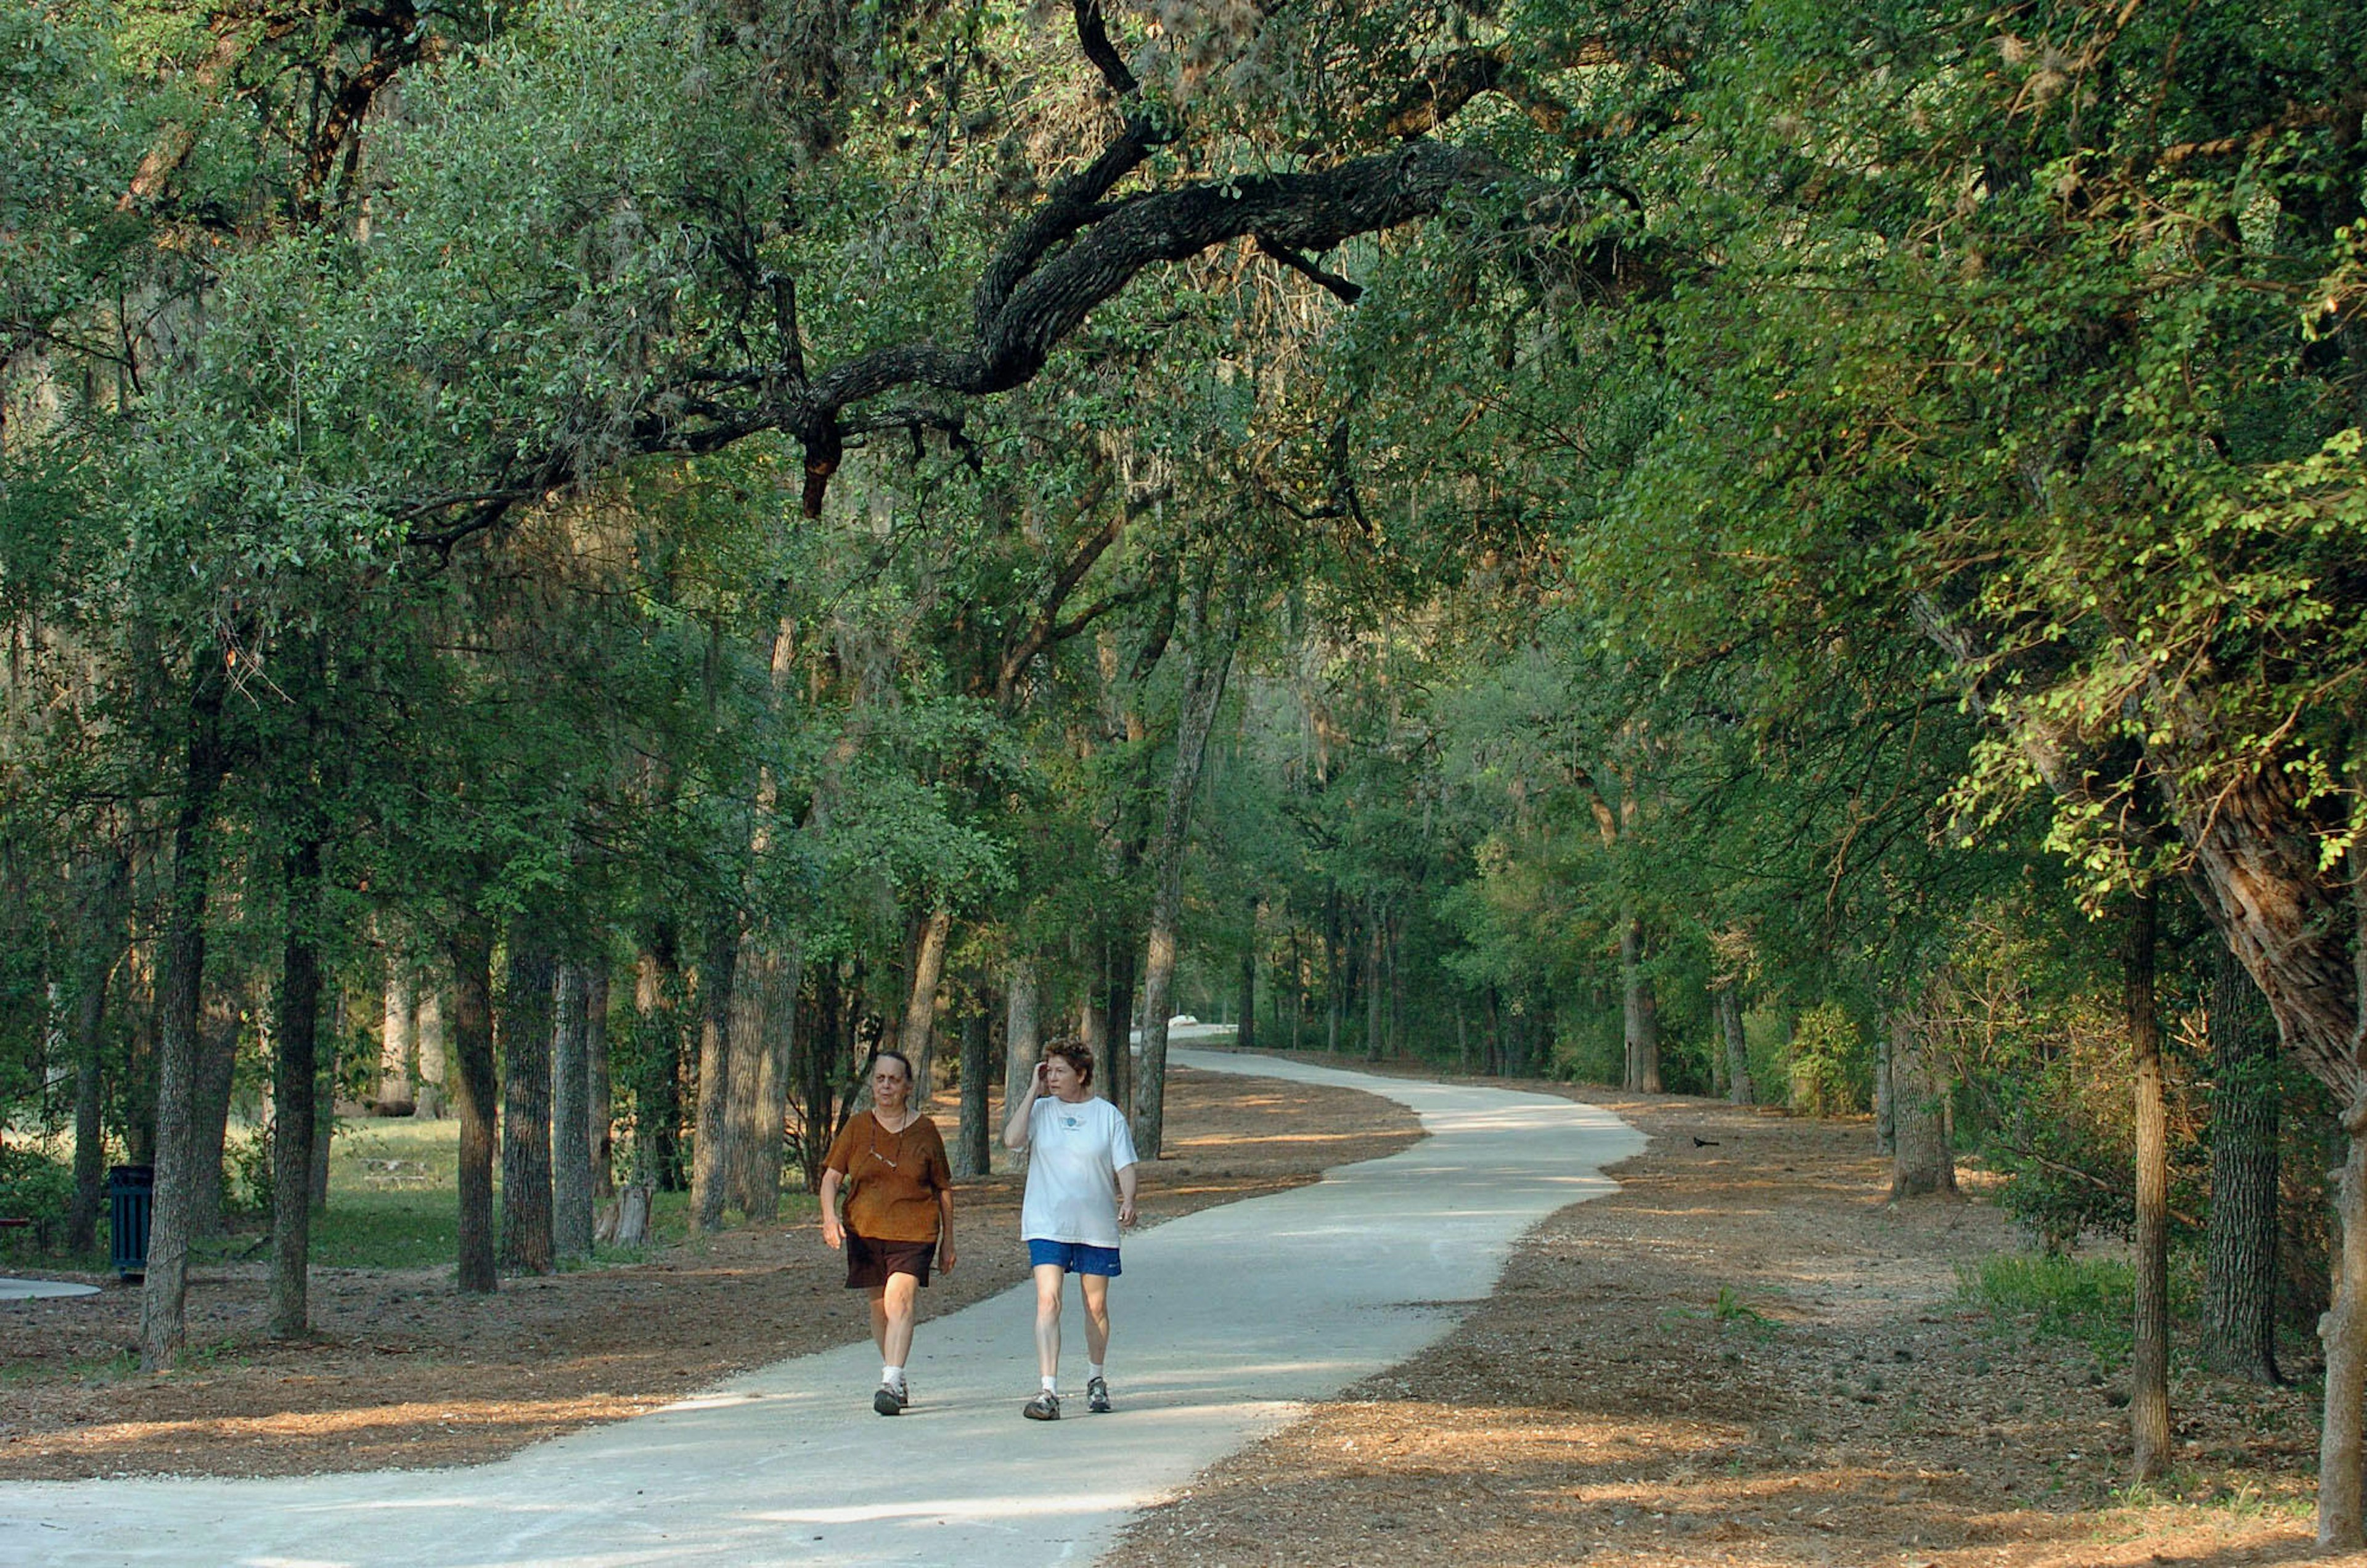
(893, 1311)
(1049, 1277)
(1096, 1293)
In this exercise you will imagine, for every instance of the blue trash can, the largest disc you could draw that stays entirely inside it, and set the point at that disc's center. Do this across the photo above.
(131, 1198)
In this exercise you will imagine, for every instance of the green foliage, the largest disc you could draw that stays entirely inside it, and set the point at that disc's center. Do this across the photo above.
(1829, 1066)
(2085, 1299)
(35, 1185)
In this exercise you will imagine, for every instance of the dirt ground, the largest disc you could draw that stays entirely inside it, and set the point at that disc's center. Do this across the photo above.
(403, 1373)
(1747, 1356)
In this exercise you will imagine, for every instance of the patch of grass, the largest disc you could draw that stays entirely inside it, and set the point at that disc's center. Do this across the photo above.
(393, 1196)
(1729, 1308)
(394, 1201)
(112, 1368)
(2088, 1301)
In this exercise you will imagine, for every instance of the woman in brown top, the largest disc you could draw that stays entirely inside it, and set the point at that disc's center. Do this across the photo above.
(900, 1211)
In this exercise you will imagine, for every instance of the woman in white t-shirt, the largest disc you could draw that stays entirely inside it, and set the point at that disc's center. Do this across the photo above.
(1080, 1194)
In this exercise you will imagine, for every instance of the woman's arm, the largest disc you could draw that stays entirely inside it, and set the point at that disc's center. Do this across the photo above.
(1125, 1196)
(945, 1230)
(833, 1234)
(1014, 1132)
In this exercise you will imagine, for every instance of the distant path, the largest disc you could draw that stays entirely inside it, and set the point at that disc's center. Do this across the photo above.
(1225, 1320)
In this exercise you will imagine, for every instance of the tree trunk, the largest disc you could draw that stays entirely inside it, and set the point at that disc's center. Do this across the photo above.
(105, 906)
(475, 1091)
(764, 1000)
(2240, 1275)
(710, 1139)
(1117, 1027)
(1372, 979)
(918, 1033)
(2149, 1356)
(295, 1082)
(2343, 1331)
(432, 1093)
(525, 1031)
(1640, 1011)
(657, 1100)
(1021, 1043)
(1739, 1088)
(600, 1112)
(1211, 656)
(1885, 1092)
(163, 1326)
(324, 1101)
(571, 1117)
(1245, 1032)
(971, 1153)
(396, 1037)
(1298, 987)
(1923, 1164)
(773, 1088)
(217, 1069)
(1331, 967)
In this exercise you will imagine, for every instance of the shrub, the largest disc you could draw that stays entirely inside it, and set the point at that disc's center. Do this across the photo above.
(35, 1187)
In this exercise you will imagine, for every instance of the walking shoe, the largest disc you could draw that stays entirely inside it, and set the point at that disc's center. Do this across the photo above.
(891, 1400)
(1044, 1406)
(1097, 1396)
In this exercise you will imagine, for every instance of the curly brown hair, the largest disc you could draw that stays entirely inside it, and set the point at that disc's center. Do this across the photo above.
(1074, 1051)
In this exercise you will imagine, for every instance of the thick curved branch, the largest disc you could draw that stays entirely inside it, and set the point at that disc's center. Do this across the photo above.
(1307, 212)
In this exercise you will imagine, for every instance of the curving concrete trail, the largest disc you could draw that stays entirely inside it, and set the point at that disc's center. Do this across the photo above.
(1225, 1320)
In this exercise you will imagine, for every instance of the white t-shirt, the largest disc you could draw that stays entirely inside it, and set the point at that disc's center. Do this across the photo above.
(1074, 1153)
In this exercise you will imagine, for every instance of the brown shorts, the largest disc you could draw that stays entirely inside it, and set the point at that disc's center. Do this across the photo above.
(868, 1263)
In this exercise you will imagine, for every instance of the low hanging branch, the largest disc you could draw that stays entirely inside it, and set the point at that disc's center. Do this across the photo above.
(1081, 248)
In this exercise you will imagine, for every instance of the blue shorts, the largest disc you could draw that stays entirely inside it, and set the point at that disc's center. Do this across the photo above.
(1073, 1256)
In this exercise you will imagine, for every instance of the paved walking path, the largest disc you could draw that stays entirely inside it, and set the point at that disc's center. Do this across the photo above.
(34, 1290)
(1224, 1321)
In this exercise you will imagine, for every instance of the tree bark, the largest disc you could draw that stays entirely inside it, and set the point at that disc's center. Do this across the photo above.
(1245, 1032)
(1117, 1026)
(571, 1117)
(1739, 1088)
(2239, 1292)
(600, 1112)
(164, 1298)
(295, 1082)
(476, 1092)
(1021, 1042)
(711, 1139)
(1639, 1010)
(217, 1069)
(1333, 965)
(1923, 1163)
(657, 1101)
(1372, 979)
(918, 1032)
(763, 1003)
(432, 1093)
(525, 1031)
(1211, 656)
(324, 1103)
(2340, 1453)
(104, 907)
(973, 1155)
(2149, 1356)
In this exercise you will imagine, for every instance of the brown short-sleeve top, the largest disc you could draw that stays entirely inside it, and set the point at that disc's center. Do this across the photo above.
(892, 1178)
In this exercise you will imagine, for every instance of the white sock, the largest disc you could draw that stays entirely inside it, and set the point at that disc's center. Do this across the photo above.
(1051, 1385)
(1092, 1368)
(892, 1376)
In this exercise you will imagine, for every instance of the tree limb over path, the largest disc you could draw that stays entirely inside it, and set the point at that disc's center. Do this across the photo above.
(1081, 248)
